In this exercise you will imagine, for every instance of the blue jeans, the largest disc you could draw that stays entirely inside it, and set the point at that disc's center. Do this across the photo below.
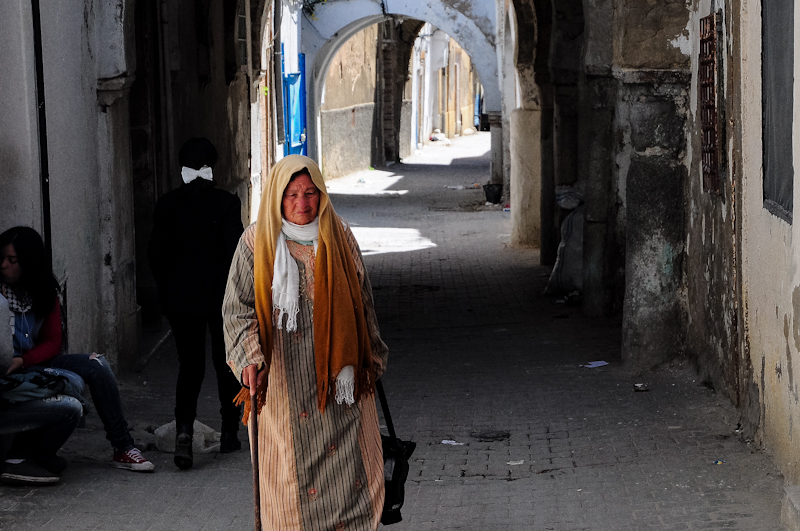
(45, 424)
(96, 372)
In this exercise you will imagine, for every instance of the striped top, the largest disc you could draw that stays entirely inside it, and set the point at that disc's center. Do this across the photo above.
(318, 472)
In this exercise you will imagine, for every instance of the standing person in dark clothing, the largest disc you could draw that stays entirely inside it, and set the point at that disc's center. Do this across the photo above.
(195, 232)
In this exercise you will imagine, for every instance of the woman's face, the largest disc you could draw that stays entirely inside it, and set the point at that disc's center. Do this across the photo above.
(10, 270)
(300, 204)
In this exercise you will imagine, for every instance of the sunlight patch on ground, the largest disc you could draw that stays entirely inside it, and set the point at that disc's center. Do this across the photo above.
(439, 154)
(377, 240)
(369, 182)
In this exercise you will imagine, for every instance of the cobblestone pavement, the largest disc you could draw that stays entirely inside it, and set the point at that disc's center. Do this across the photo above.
(478, 357)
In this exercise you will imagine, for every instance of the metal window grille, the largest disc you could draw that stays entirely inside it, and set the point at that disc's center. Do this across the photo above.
(708, 103)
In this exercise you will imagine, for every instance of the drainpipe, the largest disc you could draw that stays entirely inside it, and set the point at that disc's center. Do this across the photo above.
(252, 91)
(44, 163)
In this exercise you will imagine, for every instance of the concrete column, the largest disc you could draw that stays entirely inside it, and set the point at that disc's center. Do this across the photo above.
(121, 313)
(496, 129)
(550, 232)
(596, 144)
(526, 186)
(565, 138)
(653, 327)
(20, 187)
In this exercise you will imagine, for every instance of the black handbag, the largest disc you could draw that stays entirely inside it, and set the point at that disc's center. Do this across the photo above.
(395, 465)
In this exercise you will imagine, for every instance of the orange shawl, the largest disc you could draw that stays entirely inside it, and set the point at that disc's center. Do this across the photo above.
(341, 337)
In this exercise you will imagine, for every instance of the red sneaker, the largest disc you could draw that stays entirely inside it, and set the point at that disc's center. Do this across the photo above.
(133, 460)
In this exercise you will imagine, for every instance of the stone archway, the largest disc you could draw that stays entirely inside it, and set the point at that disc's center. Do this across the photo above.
(472, 25)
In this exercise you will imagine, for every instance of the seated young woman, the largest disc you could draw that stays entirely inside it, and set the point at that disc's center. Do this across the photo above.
(27, 281)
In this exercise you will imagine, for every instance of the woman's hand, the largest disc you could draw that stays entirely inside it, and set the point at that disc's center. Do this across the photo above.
(250, 374)
(16, 364)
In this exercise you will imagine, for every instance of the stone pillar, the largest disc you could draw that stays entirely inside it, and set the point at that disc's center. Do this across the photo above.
(121, 313)
(565, 137)
(597, 120)
(550, 231)
(652, 326)
(496, 129)
(526, 187)
(20, 184)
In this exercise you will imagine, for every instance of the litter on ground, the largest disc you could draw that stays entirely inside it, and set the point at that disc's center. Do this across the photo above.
(595, 364)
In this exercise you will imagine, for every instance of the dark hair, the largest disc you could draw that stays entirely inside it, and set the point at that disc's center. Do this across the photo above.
(198, 152)
(37, 275)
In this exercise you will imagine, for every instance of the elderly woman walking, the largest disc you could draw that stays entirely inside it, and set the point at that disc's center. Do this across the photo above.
(301, 332)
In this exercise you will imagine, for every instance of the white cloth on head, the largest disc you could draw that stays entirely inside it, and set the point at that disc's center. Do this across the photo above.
(285, 273)
(190, 174)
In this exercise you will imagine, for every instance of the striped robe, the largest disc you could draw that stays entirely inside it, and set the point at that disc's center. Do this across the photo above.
(318, 472)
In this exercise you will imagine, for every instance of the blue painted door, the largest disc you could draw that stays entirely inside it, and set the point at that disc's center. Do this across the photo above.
(294, 110)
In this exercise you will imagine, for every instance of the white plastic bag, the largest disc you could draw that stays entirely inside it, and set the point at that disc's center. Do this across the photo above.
(567, 275)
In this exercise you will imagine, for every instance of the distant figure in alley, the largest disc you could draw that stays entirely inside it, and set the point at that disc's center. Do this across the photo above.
(196, 228)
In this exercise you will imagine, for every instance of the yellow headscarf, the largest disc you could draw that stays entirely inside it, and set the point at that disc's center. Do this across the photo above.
(341, 337)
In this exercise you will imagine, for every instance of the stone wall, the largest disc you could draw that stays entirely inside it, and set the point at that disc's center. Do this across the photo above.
(347, 115)
(767, 256)
(350, 79)
(406, 150)
(712, 334)
(86, 67)
(347, 139)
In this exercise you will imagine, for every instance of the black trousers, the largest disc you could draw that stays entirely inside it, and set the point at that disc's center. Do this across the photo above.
(190, 339)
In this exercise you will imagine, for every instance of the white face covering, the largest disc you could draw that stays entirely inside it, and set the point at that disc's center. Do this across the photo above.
(190, 174)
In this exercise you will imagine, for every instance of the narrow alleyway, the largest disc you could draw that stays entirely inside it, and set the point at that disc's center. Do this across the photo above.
(476, 353)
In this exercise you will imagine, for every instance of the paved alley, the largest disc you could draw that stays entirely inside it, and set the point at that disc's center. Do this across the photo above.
(479, 358)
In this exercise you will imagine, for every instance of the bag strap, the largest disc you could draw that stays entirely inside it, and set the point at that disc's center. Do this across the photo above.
(385, 407)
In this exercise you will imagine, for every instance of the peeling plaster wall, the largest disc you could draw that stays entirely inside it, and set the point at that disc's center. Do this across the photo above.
(85, 64)
(20, 189)
(769, 261)
(646, 31)
(350, 79)
(712, 331)
(72, 121)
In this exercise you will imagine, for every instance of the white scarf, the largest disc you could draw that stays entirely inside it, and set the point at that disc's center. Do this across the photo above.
(286, 275)
(286, 293)
(190, 174)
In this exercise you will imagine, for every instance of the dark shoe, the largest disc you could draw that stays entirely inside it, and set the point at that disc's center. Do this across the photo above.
(27, 473)
(229, 442)
(54, 464)
(183, 451)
